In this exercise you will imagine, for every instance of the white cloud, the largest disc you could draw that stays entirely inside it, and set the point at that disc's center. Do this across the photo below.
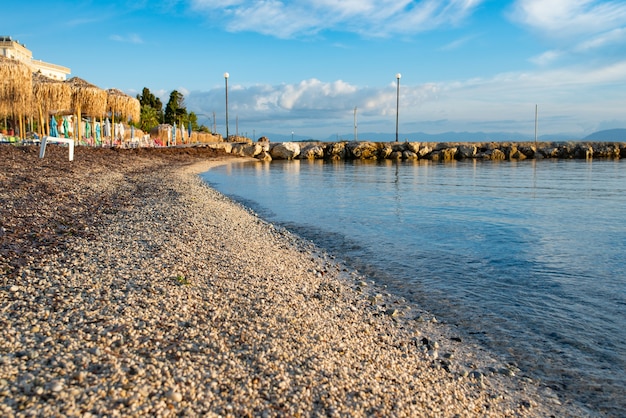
(578, 30)
(565, 18)
(285, 19)
(457, 43)
(615, 36)
(131, 38)
(546, 58)
(570, 100)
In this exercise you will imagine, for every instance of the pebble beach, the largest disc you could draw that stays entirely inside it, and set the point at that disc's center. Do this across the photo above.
(128, 287)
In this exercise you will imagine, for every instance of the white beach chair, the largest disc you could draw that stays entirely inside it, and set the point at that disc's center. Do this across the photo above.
(54, 139)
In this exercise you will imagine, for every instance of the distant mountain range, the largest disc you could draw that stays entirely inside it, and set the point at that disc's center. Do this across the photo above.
(611, 135)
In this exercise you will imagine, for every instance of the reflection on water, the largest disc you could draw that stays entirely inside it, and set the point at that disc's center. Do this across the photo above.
(525, 255)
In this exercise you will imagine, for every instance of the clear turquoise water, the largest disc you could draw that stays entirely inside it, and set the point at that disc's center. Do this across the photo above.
(526, 257)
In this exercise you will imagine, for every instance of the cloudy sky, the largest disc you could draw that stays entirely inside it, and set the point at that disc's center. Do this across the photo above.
(303, 66)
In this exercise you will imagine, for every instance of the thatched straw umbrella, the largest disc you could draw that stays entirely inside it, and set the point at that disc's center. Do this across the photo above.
(16, 89)
(50, 97)
(123, 106)
(87, 99)
(134, 110)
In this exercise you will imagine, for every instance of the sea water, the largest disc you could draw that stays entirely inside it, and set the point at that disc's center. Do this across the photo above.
(528, 258)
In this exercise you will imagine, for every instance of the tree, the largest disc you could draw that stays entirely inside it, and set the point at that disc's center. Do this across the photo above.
(175, 109)
(146, 98)
(149, 118)
(193, 118)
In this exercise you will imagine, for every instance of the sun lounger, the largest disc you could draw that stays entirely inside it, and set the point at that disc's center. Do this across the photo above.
(54, 139)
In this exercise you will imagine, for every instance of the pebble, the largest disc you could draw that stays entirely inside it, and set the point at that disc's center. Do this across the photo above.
(112, 334)
(56, 386)
(174, 396)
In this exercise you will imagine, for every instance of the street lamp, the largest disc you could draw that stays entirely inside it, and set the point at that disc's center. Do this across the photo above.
(355, 135)
(397, 101)
(226, 75)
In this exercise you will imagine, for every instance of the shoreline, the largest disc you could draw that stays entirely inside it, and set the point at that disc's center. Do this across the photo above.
(176, 300)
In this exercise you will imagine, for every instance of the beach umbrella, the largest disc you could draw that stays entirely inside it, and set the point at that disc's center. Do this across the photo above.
(107, 128)
(174, 134)
(16, 89)
(123, 106)
(66, 128)
(50, 97)
(182, 133)
(87, 99)
(98, 132)
(120, 131)
(132, 132)
(54, 131)
(189, 130)
(87, 129)
(116, 103)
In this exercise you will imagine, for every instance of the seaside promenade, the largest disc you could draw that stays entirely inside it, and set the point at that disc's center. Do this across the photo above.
(128, 287)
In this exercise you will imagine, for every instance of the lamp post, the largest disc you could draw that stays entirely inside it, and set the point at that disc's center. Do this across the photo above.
(397, 101)
(226, 75)
(355, 135)
(536, 115)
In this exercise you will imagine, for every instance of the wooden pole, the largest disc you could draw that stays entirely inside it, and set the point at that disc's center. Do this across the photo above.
(40, 126)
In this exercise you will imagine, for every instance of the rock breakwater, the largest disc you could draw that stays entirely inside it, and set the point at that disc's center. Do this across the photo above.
(442, 151)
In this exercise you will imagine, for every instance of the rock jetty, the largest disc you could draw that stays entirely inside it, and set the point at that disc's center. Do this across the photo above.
(433, 151)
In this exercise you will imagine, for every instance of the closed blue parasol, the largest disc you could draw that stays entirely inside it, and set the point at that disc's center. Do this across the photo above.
(54, 131)
(189, 131)
(174, 134)
(66, 128)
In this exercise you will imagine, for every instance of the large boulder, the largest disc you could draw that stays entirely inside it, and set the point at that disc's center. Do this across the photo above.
(285, 151)
(583, 151)
(424, 150)
(409, 155)
(363, 150)
(445, 154)
(312, 152)
(497, 155)
(387, 151)
(252, 150)
(246, 150)
(466, 151)
(413, 147)
(512, 152)
(264, 156)
(336, 151)
(606, 150)
(227, 147)
(528, 150)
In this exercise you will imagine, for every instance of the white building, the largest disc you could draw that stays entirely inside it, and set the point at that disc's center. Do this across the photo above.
(13, 49)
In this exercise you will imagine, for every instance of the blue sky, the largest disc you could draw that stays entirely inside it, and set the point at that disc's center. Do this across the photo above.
(303, 66)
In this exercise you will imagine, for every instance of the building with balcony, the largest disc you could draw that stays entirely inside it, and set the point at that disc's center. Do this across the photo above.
(10, 48)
